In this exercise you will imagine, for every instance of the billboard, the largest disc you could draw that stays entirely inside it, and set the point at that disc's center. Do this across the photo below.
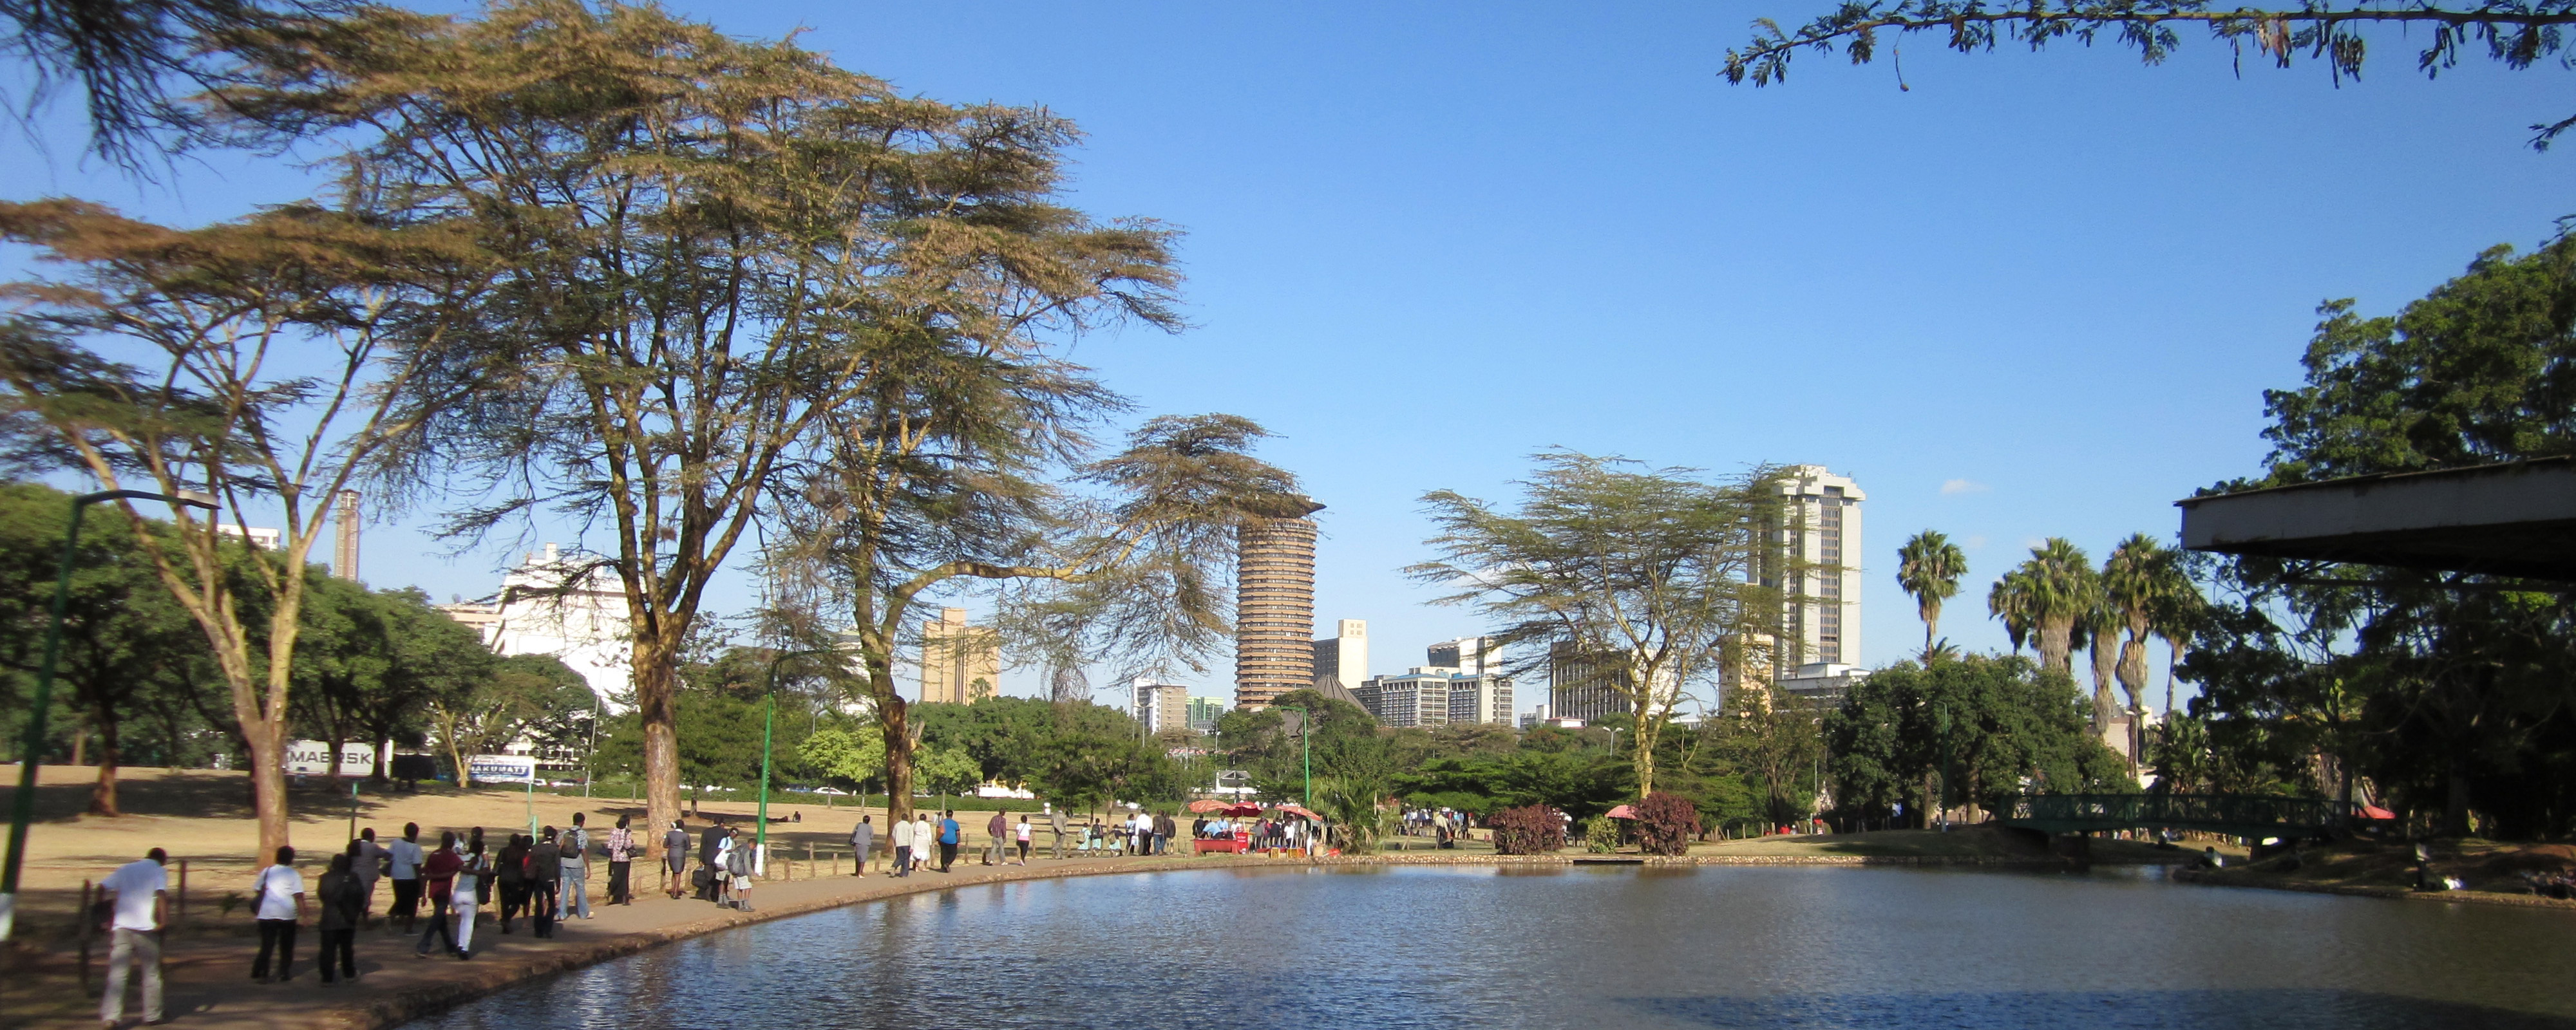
(313, 758)
(502, 768)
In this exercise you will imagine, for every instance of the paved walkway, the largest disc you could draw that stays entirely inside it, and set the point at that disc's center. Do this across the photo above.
(209, 986)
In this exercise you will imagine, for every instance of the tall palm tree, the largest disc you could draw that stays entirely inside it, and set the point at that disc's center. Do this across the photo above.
(2061, 586)
(2177, 615)
(1929, 567)
(2135, 580)
(2099, 627)
(2009, 600)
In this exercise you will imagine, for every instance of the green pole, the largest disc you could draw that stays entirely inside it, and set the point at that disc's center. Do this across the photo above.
(22, 806)
(768, 719)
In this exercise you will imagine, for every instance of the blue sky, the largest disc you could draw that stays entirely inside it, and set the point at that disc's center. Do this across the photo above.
(2035, 295)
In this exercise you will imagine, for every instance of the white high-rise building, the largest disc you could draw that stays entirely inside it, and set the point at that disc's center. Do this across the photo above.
(1475, 655)
(566, 604)
(1822, 626)
(1344, 655)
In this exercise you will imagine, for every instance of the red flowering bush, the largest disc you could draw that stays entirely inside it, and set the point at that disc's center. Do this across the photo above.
(1666, 823)
(1528, 830)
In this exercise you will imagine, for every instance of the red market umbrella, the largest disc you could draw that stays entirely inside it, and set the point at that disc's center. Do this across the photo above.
(2376, 812)
(1300, 812)
(1243, 809)
(1206, 805)
(1623, 812)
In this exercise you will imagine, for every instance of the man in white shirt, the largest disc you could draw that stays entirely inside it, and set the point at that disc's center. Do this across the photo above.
(367, 864)
(902, 838)
(139, 891)
(278, 901)
(402, 865)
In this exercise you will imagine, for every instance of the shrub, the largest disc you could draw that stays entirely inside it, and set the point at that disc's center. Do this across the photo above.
(1528, 830)
(1601, 835)
(1666, 823)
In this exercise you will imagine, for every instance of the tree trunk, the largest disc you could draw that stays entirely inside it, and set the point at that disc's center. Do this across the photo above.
(102, 794)
(2057, 644)
(893, 722)
(80, 738)
(656, 707)
(267, 741)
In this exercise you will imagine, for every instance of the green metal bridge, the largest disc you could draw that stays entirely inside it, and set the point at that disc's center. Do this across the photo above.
(2238, 815)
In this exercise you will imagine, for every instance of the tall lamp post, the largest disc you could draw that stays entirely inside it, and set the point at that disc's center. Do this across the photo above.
(22, 808)
(769, 721)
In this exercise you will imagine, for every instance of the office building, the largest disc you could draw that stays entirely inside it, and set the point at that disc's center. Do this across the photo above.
(1821, 682)
(1418, 697)
(1480, 697)
(562, 603)
(1344, 656)
(1466, 654)
(1822, 538)
(1274, 609)
(960, 663)
(1160, 706)
(1204, 712)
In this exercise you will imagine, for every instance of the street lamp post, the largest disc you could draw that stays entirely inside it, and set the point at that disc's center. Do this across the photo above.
(22, 809)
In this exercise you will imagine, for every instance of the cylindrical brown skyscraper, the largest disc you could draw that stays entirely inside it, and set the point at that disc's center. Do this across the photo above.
(1274, 609)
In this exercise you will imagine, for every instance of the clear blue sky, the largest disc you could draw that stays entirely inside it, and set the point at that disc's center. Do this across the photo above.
(2037, 295)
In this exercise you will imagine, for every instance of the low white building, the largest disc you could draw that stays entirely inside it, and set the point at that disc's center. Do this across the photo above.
(562, 603)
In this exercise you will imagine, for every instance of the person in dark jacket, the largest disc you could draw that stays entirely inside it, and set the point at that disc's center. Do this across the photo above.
(708, 843)
(545, 879)
(675, 857)
(511, 868)
(343, 897)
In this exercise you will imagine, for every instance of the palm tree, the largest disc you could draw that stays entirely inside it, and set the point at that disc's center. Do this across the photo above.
(2059, 584)
(2009, 600)
(1929, 567)
(2178, 613)
(2100, 626)
(2135, 580)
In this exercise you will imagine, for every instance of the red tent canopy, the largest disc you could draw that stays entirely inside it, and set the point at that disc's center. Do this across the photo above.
(1623, 812)
(1206, 805)
(1242, 809)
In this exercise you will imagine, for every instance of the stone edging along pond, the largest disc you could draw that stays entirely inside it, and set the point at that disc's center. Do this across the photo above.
(474, 980)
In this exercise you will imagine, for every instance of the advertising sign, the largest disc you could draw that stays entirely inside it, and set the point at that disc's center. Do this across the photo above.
(313, 758)
(502, 768)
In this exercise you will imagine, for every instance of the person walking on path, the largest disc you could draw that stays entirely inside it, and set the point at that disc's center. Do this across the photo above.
(140, 893)
(1023, 839)
(862, 837)
(342, 898)
(901, 837)
(472, 878)
(483, 877)
(996, 832)
(402, 864)
(277, 900)
(545, 883)
(438, 883)
(708, 843)
(368, 862)
(574, 896)
(1164, 827)
(1055, 818)
(621, 862)
(949, 835)
(925, 841)
(675, 858)
(511, 869)
(742, 865)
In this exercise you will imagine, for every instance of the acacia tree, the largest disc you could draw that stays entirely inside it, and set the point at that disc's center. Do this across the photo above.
(938, 483)
(2517, 33)
(706, 241)
(278, 355)
(1657, 573)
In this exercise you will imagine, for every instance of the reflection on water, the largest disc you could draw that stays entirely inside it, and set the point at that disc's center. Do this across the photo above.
(1590, 948)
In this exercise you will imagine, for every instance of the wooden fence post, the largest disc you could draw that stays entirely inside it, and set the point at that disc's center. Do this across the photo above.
(183, 891)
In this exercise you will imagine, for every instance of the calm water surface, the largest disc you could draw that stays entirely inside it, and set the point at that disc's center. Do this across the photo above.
(1589, 948)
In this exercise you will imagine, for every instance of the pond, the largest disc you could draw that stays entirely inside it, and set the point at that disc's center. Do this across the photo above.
(1471, 947)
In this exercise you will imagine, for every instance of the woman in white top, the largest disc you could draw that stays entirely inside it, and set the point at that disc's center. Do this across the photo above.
(925, 839)
(1021, 833)
(278, 904)
(467, 876)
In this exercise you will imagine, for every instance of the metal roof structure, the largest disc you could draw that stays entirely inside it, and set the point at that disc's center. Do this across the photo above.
(2511, 519)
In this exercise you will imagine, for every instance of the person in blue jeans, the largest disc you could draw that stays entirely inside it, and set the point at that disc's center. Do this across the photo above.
(947, 839)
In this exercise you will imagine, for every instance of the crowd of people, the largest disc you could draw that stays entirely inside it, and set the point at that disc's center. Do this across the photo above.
(439, 893)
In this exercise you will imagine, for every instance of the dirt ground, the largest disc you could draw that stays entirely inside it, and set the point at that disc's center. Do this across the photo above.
(204, 817)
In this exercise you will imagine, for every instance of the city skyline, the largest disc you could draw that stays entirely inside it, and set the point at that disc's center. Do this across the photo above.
(2087, 363)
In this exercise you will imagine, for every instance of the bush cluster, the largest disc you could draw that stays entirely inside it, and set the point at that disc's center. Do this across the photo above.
(1666, 823)
(1528, 830)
